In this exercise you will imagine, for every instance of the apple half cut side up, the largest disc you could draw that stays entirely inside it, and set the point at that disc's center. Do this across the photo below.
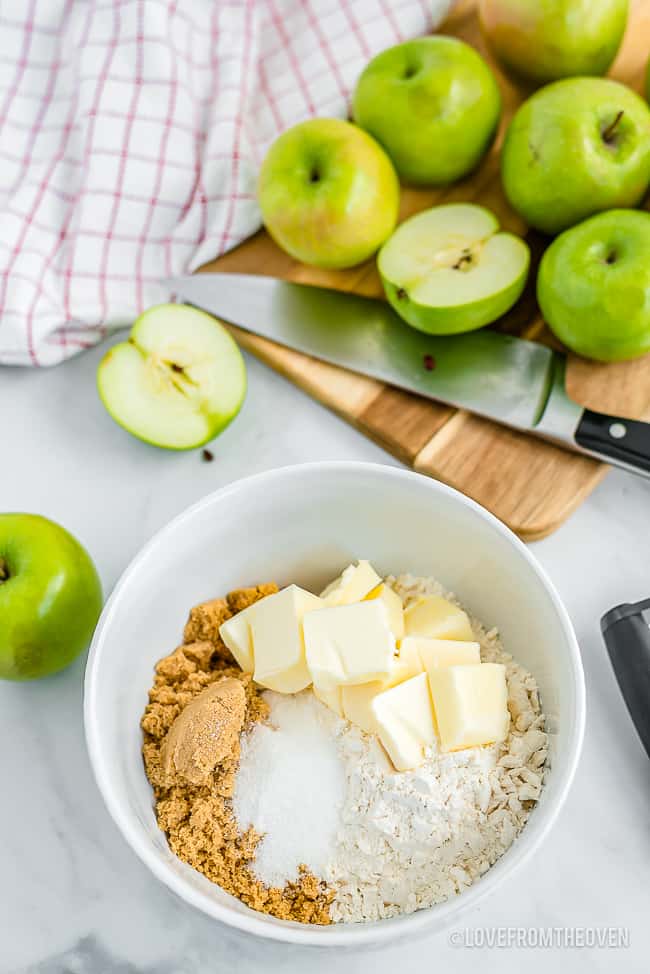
(450, 269)
(177, 381)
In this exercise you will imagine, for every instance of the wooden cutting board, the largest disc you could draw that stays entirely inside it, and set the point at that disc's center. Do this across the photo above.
(531, 485)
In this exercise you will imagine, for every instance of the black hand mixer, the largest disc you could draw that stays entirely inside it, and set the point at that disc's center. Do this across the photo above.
(626, 632)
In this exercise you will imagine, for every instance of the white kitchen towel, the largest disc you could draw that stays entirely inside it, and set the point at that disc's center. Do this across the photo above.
(131, 132)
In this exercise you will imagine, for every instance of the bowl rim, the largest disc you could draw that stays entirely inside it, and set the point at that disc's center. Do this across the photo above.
(351, 934)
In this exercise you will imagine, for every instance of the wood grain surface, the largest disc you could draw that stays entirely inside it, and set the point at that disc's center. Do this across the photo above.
(531, 485)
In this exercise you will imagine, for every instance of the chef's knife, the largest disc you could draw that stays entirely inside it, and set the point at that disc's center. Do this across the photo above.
(515, 382)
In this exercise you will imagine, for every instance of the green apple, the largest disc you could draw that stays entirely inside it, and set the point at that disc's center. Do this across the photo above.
(545, 40)
(450, 269)
(328, 192)
(575, 148)
(50, 597)
(434, 105)
(177, 382)
(593, 286)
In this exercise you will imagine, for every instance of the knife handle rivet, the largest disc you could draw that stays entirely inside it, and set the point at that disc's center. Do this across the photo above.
(617, 431)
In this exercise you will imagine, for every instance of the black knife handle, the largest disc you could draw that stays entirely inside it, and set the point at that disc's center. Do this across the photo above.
(624, 441)
(627, 638)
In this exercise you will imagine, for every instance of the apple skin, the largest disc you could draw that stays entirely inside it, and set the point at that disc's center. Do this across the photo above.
(328, 192)
(593, 286)
(51, 600)
(455, 320)
(545, 40)
(556, 166)
(434, 104)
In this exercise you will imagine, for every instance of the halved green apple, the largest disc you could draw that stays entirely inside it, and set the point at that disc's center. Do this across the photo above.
(450, 269)
(177, 382)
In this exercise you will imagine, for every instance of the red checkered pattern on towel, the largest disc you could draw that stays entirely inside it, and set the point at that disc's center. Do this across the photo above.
(131, 132)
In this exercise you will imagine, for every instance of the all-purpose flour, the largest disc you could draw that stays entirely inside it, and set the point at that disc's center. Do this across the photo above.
(412, 839)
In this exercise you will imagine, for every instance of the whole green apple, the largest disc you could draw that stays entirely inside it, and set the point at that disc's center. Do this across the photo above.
(545, 40)
(50, 597)
(593, 286)
(434, 105)
(575, 148)
(329, 193)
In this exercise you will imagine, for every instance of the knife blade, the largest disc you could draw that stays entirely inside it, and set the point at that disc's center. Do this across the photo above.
(510, 380)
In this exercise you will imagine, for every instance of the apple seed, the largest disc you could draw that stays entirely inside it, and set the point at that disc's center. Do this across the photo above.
(465, 260)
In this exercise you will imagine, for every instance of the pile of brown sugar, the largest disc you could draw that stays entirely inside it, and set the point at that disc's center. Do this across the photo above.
(198, 706)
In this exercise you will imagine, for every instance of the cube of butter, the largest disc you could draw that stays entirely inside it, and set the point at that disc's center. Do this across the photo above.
(348, 644)
(236, 634)
(393, 605)
(352, 585)
(470, 703)
(357, 700)
(277, 637)
(331, 698)
(404, 720)
(441, 652)
(409, 662)
(437, 618)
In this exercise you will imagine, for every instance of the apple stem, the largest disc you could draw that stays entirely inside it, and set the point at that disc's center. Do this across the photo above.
(611, 128)
(4, 571)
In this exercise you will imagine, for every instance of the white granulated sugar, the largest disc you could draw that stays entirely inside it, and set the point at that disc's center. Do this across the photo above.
(290, 787)
(409, 840)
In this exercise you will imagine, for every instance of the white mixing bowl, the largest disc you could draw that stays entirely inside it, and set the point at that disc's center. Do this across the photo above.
(304, 524)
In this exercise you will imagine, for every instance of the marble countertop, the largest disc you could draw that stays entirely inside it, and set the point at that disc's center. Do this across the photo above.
(74, 898)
